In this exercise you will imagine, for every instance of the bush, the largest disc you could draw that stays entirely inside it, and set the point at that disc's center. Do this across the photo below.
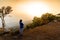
(14, 31)
(47, 18)
(58, 17)
(38, 21)
(29, 26)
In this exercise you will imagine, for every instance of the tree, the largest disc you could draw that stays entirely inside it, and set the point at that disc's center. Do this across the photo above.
(48, 17)
(3, 12)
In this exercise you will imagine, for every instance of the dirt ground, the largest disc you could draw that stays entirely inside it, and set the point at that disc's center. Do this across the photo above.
(50, 31)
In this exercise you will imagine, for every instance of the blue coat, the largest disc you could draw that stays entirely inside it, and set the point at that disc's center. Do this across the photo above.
(21, 25)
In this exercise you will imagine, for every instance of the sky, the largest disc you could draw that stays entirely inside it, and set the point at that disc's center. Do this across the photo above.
(27, 9)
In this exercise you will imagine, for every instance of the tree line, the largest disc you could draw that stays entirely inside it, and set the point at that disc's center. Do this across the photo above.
(44, 19)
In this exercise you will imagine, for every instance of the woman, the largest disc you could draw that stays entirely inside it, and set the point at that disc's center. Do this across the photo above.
(21, 27)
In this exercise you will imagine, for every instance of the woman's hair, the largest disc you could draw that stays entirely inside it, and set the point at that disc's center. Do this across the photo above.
(20, 20)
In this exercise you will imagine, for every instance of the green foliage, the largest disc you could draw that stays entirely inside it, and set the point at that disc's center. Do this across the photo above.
(38, 21)
(29, 26)
(47, 18)
(58, 17)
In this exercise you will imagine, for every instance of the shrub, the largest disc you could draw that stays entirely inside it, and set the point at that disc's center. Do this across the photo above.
(14, 31)
(38, 21)
(29, 26)
(58, 17)
(47, 18)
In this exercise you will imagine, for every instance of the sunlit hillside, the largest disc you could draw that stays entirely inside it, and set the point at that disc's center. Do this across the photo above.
(50, 31)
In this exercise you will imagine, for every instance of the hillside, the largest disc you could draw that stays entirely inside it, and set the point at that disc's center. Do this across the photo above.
(50, 31)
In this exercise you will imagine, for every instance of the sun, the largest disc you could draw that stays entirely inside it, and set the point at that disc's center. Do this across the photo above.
(37, 9)
(34, 8)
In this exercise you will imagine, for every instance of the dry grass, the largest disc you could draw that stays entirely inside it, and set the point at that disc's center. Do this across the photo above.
(50, 31)
(1, 29)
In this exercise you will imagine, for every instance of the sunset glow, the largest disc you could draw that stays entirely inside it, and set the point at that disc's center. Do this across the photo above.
(34, 9)
(27, 9)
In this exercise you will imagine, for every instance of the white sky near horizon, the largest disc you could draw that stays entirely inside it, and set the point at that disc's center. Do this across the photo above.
(27, 9)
